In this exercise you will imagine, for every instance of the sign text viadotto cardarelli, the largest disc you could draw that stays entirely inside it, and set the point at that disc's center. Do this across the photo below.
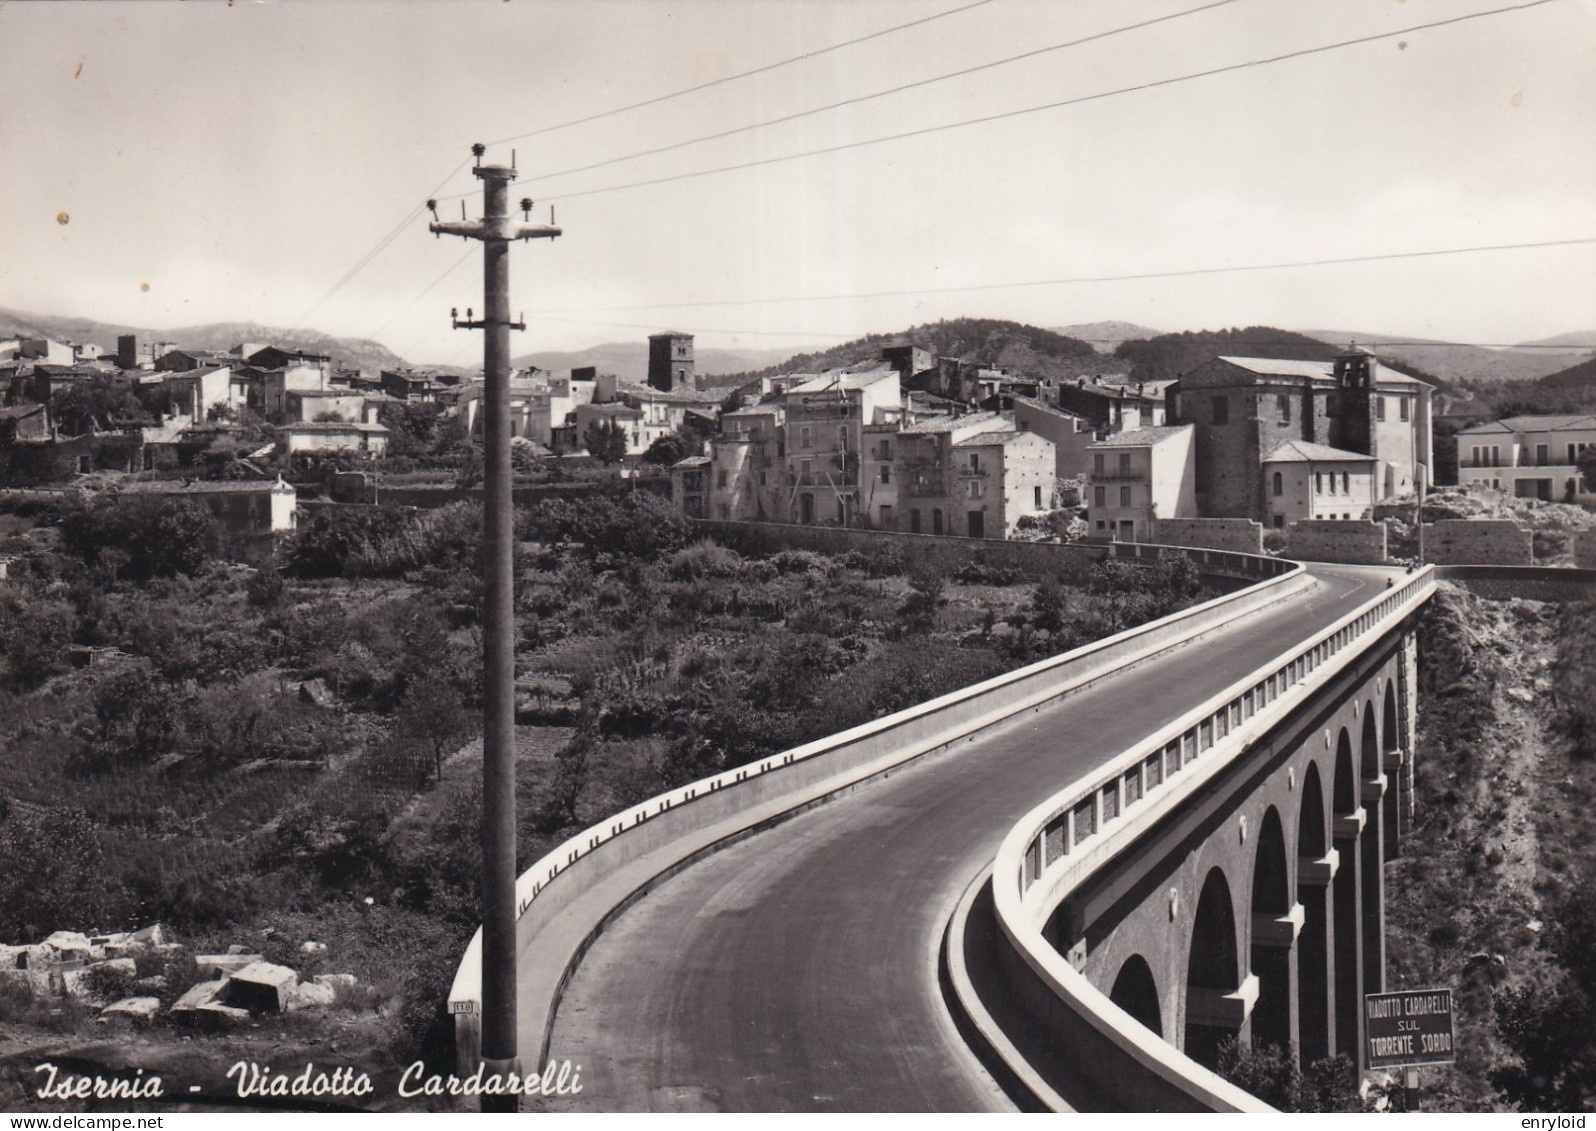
(1408, 1028)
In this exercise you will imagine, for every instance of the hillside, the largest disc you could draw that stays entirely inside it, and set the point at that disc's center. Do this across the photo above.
(1579, 378)
(985, 341)
(1169, 355)
(1105, 336)
(352, 353)
(1452, 362)
(629, 360)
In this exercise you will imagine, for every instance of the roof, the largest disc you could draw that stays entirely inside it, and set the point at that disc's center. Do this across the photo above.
(1000, 436)
(1549, 423)
(997, 421)
(673, 396)
(1284, 367)
(670, 334)
(1302, 451)
(17, 411)
(333, 426)
(1043, 406)
(201, 486)
(1142, 437)
(843, 381)
(692, 461)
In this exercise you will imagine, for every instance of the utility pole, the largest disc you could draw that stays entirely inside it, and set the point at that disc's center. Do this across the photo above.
(496, 229)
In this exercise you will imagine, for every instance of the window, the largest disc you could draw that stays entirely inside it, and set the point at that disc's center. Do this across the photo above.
(1099, 495)
(1125, 496)
(1346, 483)
(806, 467)
(1379, 407)
(1280, 522)
(1404, 407)
(720, 477)
(1097, 464)
(975, 463)
(886, 451)
(1279, 484)
(1036, 501)
(1318, 483)
(975, 488)
(803, 437)
(1221, 410)
(1124, 463)
(886, 473)
(1283, 404)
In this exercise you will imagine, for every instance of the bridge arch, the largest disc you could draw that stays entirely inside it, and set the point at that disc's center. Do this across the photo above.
(1273, 934)
(1391, 748)
(1348, 948)
(1314, 872)
(1136, 992)
(1213, 973)
(1372, 853)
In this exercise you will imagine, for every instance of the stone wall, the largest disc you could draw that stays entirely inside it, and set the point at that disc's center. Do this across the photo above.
(1532, 583)
(1585, 549)
(1326, 540)
(1242, 535)
(1457, 541)
(943, 554)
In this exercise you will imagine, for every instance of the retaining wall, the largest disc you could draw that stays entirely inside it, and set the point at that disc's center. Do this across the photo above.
(1461, 541)
(1325, 540)
(1533, 583)
(1242, 535)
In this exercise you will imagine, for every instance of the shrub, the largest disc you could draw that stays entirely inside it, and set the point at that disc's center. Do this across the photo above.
(143, 537)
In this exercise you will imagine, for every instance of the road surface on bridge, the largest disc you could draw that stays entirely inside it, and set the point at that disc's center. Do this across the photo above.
(796, 969)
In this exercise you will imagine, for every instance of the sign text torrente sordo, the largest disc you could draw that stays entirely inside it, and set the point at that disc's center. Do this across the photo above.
(1408, 1028)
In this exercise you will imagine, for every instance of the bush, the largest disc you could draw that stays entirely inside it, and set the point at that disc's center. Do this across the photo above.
(142, 537)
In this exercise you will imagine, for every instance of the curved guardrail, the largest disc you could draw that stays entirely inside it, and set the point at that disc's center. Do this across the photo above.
(606, 866)
(1068, 837)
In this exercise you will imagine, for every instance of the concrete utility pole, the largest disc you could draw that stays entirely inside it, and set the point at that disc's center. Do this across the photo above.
(496, 230)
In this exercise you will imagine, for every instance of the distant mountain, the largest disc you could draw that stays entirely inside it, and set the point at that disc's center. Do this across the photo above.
(1581, 341)
(1452, 362)
(985, 341)
(1169, 355)
(351, 353)
(1106, 336)
(629, 360)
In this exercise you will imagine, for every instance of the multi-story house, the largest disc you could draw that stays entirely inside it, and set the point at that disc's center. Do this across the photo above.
(1111, 407)
(1139, 476)
(998, 478)
(745, 466)
(1530, 457)
(930, 492)
(825, 420)
(1243, 408)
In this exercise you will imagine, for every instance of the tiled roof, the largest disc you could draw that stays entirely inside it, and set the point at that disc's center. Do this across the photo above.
(1142, 437)
(1549, 423)
(996, 421)
(985, 439)
(1302, 451)
(334, 426)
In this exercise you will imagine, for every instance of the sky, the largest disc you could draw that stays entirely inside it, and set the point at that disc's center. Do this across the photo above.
(170, 164)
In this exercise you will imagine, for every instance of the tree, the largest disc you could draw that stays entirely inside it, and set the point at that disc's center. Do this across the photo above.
(919, 609)
(160, 537)
(668, 449)
(49, 861)
(605, 442)
(431, 713)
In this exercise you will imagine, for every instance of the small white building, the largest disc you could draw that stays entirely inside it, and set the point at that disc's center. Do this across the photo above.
(1312, 481)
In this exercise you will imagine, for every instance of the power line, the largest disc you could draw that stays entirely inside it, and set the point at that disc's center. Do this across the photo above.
(883, 93)
(377, 249)
(1138, 276)
(427, 289)
(1006, 114)
(700, 330)
(741, 74)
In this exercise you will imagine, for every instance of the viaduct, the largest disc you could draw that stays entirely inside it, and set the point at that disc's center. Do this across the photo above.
(1060, 889)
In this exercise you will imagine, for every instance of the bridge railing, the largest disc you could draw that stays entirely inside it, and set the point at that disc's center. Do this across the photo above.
(645, 835)
(1063, 841)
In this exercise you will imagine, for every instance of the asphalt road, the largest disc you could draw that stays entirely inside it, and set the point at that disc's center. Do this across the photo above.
(796, 969)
